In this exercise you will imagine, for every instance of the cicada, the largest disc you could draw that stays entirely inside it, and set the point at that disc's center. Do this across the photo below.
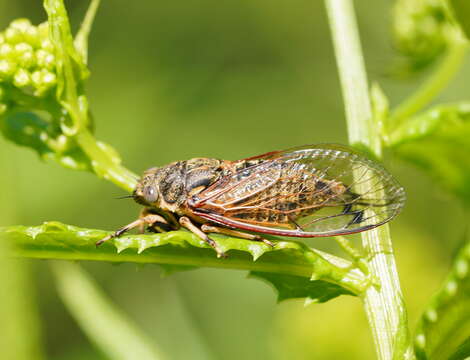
(308, 191)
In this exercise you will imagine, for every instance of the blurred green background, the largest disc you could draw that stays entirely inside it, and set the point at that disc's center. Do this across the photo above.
(181, 79)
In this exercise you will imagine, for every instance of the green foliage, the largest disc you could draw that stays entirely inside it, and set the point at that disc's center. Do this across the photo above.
(29, 85)
(462, 352)
(43, 104)
(437, 142)
(299, 264)
(289, 286)
(444, 328)
(422, 30)
(461, 12)
(30, 130)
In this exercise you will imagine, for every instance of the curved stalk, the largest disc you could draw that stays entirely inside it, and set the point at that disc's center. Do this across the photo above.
(384, 304)
(433, 85)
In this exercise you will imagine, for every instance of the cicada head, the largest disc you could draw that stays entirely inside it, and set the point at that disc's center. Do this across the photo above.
(163, 187)
(147, 192)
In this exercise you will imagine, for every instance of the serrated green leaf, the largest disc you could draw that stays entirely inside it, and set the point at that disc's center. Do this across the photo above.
(54, 240)
(291, 287)
(438, 141)
(444, 327)
(432, 122)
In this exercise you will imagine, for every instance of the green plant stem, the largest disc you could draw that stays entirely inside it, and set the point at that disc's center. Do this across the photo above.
(103, 164)
(433, 85)
(106, 326)
(73, 100)
(352, 75)
(356, 256)
(383, 305)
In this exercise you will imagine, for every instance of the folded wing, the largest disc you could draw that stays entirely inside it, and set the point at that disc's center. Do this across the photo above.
(310, 191)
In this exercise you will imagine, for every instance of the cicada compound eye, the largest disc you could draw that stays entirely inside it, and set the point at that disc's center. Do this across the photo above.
(150, 194)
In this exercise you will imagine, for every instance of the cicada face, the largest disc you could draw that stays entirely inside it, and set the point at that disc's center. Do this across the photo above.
(310, 191)
(146, 192)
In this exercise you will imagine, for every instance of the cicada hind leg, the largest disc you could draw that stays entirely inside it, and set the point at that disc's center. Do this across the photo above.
(187, 223)
(215, 229)
(202, 233)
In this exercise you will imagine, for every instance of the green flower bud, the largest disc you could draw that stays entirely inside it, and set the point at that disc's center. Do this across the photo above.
(22, 25)
(6, 50)
(13, 35)
(31, 36)
(36, 79)
(43, 80)
(22, 47)
(7, 69)
(27, 60)
(21, 53)
(46, 44)
(45, 59)
(48, 78)
(21, 78)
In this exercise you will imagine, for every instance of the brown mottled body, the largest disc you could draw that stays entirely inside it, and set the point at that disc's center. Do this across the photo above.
(303, 192)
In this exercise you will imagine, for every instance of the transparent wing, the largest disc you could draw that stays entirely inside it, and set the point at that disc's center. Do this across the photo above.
(318, 190)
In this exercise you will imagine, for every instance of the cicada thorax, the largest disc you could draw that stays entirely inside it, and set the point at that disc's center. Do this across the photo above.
(179, 181)
(171, 180)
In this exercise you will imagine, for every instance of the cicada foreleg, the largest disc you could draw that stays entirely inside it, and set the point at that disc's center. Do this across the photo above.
(148, 219)
(215, 229)
(169, 223)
